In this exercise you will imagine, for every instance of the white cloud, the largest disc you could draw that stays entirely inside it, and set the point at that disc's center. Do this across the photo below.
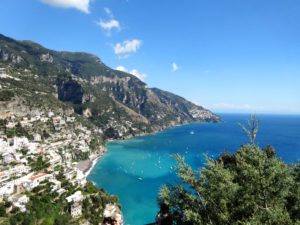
(224, 105)
(231, 107)
(174, 67)
(127, 47)
(247, 108)
(134, 72)
(82, 5)
(141, 76)
(121, 68)
(109, 25)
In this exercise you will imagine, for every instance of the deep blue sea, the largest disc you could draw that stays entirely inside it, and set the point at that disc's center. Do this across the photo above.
(135, 169)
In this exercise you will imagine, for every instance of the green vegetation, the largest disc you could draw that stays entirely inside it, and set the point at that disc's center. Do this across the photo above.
(6, 95)
(43, 209)
(2, 210)
(79, 155)
(47, 208)
(39, 164)
(18, 131)
(252, 186)
(95, 143)
(94, 203)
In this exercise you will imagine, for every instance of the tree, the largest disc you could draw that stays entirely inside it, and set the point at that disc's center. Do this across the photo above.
(2, 210)
(39, 164)
(251, 128)
(252, 186)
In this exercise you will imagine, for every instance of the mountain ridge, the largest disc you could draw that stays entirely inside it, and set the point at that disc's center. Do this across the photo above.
(82, 82)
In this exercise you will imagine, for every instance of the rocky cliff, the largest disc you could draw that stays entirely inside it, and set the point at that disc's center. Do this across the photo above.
(120, 104)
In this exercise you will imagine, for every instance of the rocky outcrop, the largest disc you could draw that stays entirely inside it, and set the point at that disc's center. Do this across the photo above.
(70, 91)
(10, 57)
(46, 58)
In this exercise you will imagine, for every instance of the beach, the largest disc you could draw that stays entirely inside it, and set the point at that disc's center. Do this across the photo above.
(87, 165)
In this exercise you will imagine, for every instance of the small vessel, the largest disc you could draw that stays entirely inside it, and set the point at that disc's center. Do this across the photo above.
(192, 132)
(140, 178)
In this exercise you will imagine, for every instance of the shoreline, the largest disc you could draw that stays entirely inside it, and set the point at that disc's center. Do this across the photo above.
(86, 166)
(92, 165)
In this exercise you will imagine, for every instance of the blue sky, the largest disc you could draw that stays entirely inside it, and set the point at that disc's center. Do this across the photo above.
(229, 56)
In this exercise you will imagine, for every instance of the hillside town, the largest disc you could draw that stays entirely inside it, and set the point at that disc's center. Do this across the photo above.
(30, 161)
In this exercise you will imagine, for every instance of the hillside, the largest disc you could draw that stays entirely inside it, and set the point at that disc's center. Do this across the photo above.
(35, 79)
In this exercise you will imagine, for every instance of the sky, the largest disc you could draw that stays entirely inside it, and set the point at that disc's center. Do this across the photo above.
(229, 56)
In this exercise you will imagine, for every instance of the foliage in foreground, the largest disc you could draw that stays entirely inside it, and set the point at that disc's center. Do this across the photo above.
(252, 186)
(47, 208)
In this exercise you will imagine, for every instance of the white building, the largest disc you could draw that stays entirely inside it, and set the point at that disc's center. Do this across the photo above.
(35, 180)
(60, 191)
(6, 190)
(55, 159)
(20, 181)
(17, 170)
(70, 119)
(37, 137)
(19, 201)
(80, 179)
(76, 197)
(4, 176)
(8, 158)
(20, 142)
(76, 210)
(50, 114)
(56, 185)
(3, 145)
(44, 119)
(69, 175)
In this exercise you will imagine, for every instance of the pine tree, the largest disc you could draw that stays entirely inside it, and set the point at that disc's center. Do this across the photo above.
(252, 186)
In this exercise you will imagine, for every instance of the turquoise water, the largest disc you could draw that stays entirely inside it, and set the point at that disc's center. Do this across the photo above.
(135, 169)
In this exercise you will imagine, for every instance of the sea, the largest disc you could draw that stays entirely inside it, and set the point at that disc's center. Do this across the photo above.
(135, 169)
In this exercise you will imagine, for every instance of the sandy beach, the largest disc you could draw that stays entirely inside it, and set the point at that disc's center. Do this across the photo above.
(86, 166)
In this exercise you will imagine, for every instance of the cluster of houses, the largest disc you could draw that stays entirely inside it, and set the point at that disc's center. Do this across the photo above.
(16, 174)
(122, 129)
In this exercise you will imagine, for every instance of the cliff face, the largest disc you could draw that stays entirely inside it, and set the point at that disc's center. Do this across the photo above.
(70, 91)
(115, 101)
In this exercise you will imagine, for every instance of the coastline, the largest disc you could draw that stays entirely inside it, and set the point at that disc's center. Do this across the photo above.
(86, 166)
(92, 165)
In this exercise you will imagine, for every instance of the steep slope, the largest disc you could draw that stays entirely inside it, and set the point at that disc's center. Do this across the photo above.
(120, 104)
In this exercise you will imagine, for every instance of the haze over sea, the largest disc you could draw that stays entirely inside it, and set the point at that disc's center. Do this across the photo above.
(135, 169)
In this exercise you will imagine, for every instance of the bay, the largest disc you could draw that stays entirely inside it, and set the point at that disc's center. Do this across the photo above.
(135, 169)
